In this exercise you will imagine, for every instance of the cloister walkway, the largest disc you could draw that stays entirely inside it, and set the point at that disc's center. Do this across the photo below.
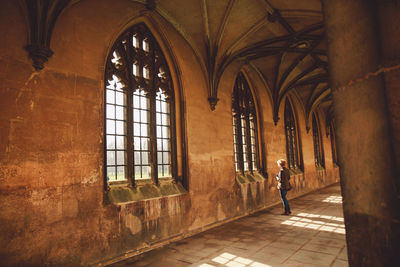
(313, 235)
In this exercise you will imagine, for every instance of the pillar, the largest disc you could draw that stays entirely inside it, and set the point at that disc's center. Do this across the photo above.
(364, 144)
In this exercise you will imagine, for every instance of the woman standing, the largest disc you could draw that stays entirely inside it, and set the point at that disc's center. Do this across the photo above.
(283, 177)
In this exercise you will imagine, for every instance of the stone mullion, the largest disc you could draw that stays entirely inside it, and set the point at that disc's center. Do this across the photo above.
(129, 134)
(153, 119)
(238, 127)
(289, 134)
(129, 114)
(171, 101)
(316, 141)
(257, 158)
(293, 135)
(295, 145)
(289, 141)
(319, 148)
(287, 146)
(316, 151)
(333, 144)
(239, 143)
(129, 89)
(248, 133)
(321, 145)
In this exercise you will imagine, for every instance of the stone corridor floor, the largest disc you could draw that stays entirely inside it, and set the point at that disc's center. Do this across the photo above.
(313, 235)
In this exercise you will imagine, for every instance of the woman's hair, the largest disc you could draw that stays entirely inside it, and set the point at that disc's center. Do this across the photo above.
(281, 162)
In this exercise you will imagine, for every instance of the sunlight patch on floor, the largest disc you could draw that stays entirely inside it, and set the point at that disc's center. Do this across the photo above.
(230, 260)
(333, 199)
(313, 221)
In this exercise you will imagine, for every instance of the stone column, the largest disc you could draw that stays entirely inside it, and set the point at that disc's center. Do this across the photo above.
(366, 158)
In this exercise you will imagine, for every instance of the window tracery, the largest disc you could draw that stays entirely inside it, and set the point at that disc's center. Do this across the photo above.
(139, 114)
(244, 126)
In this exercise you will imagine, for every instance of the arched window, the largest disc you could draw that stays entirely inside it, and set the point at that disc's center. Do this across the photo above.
(139, 110)
(244, 127)
(292, 139)
(318, 147)
(333, 143)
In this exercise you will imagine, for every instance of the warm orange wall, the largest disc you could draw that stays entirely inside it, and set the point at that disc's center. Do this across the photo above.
(51, 150)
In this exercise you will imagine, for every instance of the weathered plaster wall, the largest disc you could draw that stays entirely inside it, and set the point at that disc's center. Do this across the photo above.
(51, 151)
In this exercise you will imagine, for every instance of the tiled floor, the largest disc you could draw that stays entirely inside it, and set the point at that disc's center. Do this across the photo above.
(313, 235)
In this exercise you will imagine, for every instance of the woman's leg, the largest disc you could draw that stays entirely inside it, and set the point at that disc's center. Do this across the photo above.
(285, 202)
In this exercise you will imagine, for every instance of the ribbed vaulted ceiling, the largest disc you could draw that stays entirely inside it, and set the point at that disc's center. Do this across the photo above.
(283, 41)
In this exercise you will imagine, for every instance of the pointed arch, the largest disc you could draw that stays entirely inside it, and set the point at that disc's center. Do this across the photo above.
(140, 110)
(245, 127)
(259, 120)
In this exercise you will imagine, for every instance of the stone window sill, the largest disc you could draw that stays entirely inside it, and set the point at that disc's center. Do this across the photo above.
(320, 168)
(144, 190)
(249, 177)
(295, 171)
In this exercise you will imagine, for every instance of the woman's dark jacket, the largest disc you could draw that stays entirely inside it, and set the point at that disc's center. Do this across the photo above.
(283, 177)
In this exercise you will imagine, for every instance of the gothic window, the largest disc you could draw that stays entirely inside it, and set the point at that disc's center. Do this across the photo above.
(292, 139)
(318, 149)
(333, 143)
(244, 127)
(139, 117)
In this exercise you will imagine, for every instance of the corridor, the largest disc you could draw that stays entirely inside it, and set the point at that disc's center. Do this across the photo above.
(313, 235)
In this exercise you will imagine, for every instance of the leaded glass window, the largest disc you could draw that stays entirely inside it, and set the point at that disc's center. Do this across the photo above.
(244, 127)
(139, 104)
(318, 149)
(292, 138)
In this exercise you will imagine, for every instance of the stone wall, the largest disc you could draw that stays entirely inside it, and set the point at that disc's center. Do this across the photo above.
(53, 207)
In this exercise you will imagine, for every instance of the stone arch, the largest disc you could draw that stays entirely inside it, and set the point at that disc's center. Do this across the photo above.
(174, 70)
